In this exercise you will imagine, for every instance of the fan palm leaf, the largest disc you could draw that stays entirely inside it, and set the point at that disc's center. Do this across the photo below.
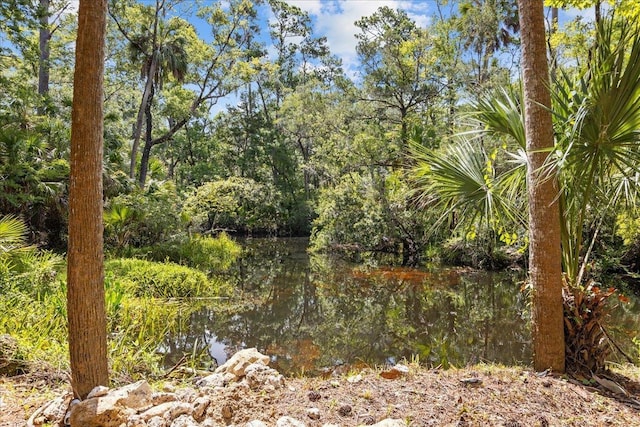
(461, 178)
(12, 234)
(597, 120)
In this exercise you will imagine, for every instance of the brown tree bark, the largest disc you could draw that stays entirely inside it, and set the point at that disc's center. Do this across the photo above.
(85, 272)
(545, 268)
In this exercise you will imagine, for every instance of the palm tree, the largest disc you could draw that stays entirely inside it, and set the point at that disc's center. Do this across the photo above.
(12, 234)
(85, 270)
(596, 153)
(545, 269)
(161, 53)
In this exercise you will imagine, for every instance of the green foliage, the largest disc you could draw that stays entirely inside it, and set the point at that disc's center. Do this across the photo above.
(597, 122)
(208, 254)
(628, 227)
(236, 204)
(143, 217)
(362, 214)
(162, 280)
(22, 267)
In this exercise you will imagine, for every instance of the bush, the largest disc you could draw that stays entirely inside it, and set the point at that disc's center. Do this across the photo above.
(365, 214)
(161, 280)
(236, 204)
(208, 254)
(143, 218)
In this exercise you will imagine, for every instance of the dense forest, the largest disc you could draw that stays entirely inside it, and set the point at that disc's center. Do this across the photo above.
(235, 119)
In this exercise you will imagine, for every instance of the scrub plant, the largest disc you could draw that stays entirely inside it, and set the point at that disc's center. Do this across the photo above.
(597, 159)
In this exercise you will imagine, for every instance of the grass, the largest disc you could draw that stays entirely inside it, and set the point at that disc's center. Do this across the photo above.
(144, 301)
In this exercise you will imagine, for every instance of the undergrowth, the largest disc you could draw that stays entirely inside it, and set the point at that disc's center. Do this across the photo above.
(144, 301)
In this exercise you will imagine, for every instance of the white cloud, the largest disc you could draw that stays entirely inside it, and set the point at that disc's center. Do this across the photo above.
(335, 19)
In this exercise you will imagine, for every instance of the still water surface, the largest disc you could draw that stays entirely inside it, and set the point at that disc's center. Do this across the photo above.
(312, 313)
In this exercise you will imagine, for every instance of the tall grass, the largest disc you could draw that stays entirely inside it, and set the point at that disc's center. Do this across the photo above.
(144, 301)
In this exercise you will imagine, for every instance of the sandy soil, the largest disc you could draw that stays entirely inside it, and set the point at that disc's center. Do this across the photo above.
(476, 396)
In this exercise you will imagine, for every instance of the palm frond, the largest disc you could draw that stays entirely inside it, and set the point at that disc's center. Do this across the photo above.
(12, 234)
(461, 178)
(501, 114)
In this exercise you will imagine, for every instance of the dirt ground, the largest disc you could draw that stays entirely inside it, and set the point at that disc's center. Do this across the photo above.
(476, 396)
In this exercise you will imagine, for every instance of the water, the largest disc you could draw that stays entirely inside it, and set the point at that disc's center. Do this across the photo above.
(314, 314)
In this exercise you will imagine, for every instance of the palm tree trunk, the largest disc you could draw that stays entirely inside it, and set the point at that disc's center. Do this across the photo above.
(147, 97)
(545, 268)
(43, 63)
(148, 143)
(85, 270)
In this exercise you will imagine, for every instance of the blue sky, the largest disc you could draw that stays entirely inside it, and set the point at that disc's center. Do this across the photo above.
(335, 19)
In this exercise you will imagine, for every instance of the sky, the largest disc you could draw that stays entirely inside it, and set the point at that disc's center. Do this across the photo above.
(335, 19)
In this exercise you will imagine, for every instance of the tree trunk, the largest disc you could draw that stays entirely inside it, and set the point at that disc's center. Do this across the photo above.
(85, 271)
(545, 270)
(148, 142)
(147, 97)
(43, 63)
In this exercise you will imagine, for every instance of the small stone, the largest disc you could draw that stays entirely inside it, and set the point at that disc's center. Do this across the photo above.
(227, 411)
(98, 391)
(314, 396)
(185, 421)
(187, 394)
(255, 423)
(475, 381)
(168, 410)
(354, 379)
(157, 422)
(168, 388)
(313, 413)
(213, 380)
(368, 420)
(160, 398)
(289, 422)
(345, 410)
(241, 360)
(200, 408)
(389, 422)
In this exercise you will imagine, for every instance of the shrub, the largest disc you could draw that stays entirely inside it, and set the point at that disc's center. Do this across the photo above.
(366, 214)
(143, 218)
(208, 254)
(235, 204)
(161, 280)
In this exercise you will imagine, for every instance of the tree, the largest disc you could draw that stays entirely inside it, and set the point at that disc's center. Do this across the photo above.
(85, 272)
(216, 68)
(545, 268)
(396, 58)
(487, 26)
(159, 48)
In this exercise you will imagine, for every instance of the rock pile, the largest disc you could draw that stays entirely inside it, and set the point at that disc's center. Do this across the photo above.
(215, 401)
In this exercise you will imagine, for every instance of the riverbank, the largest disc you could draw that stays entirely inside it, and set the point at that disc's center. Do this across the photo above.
(482, 395)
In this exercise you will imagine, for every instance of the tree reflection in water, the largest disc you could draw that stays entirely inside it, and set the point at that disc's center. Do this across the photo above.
(313, 314)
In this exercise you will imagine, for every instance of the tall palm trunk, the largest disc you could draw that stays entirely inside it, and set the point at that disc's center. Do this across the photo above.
(545, 268)
(44, 37)
(147, 97)
(85, 271)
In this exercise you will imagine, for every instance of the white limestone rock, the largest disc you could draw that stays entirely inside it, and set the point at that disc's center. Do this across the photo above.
(289, 422)
(391, 422)
(112, 409)
(258, 376)
(185, 421)
(241, 360)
